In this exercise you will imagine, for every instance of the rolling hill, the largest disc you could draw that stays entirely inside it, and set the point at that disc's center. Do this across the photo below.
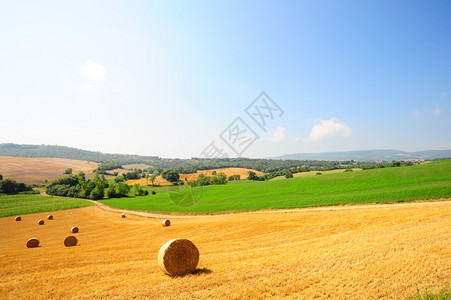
(369, 155)
(39, 169)
(418, 182)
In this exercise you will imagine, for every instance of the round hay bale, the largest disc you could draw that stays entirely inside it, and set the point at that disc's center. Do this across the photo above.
(70, 241)
(41, 222)
(123, 215)
(74, 229)
(18, 218)
(166, 223)
(49, 217)
(178, 256)
(33, 242)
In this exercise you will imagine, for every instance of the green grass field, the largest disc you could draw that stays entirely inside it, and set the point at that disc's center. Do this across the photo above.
(418, 182)
(11, 205)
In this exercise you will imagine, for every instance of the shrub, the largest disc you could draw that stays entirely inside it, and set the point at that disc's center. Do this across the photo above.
(137, 190)
(395, 164)
(10, 186)
(109, 165)
(132, 175)
(119, 178)
(170, 175)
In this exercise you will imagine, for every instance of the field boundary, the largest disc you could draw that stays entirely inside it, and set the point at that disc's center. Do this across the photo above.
(294, 210)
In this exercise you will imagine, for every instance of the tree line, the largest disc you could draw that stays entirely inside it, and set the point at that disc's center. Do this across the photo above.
(96, 188)
(157, 164)
(11, 187)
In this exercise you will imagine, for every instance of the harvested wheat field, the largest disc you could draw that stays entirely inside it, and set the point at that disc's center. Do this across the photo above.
(361, 252)
(243, 172)
(37, 170)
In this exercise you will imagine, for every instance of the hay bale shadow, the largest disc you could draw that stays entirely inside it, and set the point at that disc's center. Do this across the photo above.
(197, 272)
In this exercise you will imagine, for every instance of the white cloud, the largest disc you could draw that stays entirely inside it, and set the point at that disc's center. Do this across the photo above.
(329, 129)
(416, 114)
(437, 111)
(443, 95)
(93, 70)
(278, 135)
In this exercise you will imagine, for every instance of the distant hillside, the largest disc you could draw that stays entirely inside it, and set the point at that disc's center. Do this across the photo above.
(317, 161)
(370, 155)
(67, 152)
(182, 165)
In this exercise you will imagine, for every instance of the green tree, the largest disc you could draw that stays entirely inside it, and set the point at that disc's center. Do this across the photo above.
(119, 178)
(234, 177)
(1, 177)
(81, 177)
(123, 189)
(68, 171)
(147, 178)
(111, 191)
(97, 193)
(8, 186)
(251, 175)
(396, 164)
(109, 165)
(203, 180)
(220, 178)
(132, 175)
(152, 178)
(138, 190)
(289, 175)
(170, 175)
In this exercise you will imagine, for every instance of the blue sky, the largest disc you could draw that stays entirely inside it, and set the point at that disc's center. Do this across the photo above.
(167, 78)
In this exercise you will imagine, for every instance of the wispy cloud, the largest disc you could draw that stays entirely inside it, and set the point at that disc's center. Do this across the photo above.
(328, 129)
(93, 70)
(278, 135)
(443, 95)
(437, 111)
(416, 114)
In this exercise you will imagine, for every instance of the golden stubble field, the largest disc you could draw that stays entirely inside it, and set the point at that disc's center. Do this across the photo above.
(243, 172)
(361, 252)
(37, 170)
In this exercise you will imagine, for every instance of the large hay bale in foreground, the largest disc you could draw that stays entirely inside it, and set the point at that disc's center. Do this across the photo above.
(74, 229)
(70, 241)
(166, 223)
(41, 222)
(123, 215)
(18, 218)
(49, 217)
(33, 242)
(178, 257)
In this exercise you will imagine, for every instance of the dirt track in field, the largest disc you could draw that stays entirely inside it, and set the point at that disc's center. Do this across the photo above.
(355, 253)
